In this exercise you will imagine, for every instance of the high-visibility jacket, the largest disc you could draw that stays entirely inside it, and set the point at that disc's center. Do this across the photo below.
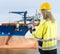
(46, 32)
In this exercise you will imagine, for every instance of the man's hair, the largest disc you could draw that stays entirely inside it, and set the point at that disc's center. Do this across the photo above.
(49, 15)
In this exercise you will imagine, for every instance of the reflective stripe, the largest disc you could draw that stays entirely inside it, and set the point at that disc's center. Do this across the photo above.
(48, 48)
(45, 40)
(49, 40)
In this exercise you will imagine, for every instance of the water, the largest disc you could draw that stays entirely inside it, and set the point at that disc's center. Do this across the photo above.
(58, 48)
(18, 51)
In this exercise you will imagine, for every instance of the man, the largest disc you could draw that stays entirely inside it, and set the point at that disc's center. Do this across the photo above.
(46, 31)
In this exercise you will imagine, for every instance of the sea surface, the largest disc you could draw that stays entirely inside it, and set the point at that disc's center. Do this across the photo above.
(58, 48)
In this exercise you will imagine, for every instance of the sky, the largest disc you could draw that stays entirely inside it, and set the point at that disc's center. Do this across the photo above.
(29, 5)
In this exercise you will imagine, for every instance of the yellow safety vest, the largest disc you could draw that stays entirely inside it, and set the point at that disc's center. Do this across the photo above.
(47, 30)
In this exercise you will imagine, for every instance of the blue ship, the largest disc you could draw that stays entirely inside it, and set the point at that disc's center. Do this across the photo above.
(16, 29)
